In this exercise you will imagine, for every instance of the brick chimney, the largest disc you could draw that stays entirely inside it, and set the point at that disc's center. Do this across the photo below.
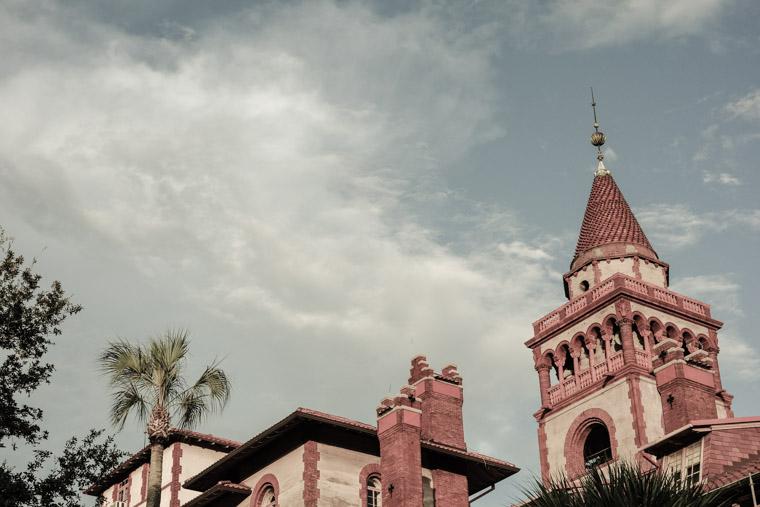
(398, 429)
(441, 397)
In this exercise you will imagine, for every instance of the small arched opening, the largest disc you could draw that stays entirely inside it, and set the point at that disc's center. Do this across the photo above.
(597, 448)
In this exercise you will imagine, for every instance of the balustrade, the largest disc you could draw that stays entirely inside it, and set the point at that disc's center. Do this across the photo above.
(616, 361)
(643, 359)
(618, 281)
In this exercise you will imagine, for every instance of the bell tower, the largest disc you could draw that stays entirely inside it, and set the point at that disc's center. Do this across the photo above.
(625, 360)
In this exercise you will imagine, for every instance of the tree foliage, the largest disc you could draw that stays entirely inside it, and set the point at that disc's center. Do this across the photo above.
(46, 484)
(622, 484)
(29, 317)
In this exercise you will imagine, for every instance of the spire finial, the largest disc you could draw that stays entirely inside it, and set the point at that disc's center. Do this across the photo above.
(598, 139)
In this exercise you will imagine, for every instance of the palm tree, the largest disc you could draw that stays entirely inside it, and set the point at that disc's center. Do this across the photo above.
(622, 484)
(147, 380)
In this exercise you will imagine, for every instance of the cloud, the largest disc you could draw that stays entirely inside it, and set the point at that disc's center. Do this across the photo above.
(573, 25)
(722, 178)
(747, 107)
(738, 358)
(720, 291)
(678, 226)
(266, 179)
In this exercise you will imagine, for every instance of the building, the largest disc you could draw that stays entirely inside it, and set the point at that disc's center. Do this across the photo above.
(629, 369)
(415, 456)
(186, 454)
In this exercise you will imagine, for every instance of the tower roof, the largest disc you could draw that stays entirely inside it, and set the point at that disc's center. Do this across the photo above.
(609, 227)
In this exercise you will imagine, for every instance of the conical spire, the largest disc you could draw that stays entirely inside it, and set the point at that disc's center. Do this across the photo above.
(609, 228)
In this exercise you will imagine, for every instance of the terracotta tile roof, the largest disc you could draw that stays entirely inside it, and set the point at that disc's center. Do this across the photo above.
(143, 456)
(336, 418)
(482, 471)
(608, 219)
(486, 460)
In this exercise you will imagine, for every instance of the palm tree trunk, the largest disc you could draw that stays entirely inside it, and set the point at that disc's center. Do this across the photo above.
(154, 474)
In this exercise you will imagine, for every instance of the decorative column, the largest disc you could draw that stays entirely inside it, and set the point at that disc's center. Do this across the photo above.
(559, 362)
(591, 347)
(545, 381)
(626, 337)
(607, 337)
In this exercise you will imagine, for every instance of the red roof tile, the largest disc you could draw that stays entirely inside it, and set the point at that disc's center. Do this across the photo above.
(609, 219)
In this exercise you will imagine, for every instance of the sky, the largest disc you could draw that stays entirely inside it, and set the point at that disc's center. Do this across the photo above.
(318, 191)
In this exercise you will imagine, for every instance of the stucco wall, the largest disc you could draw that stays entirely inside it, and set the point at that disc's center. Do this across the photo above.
(614, 400)
(650, 400)
(289, 473)
(647, 272)
(194, 460)
(722, 414)
(339, 471)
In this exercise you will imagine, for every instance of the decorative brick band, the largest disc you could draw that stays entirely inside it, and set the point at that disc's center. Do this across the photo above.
(364, 475)
(576, 437)
(261, 486)
(144, 488)
(310, 474)
(176, 470)
(543, 453)
(637, 411)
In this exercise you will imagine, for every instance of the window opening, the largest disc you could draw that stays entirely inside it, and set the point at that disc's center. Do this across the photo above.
(584, 286)
(686, 463)
(597, 449)
(568, 369)
(374, 492)
(268, 498)
(617, 343)
(122, 489)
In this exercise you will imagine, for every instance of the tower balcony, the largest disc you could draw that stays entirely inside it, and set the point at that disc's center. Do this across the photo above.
(607, 290)
(586, 378)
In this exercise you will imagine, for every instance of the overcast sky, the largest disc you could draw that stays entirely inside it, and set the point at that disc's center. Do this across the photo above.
(320, 190)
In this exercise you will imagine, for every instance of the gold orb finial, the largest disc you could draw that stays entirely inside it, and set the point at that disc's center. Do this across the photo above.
(598, 139)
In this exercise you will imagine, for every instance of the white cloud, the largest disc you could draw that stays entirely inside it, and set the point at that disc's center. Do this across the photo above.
(567, 25)
(738, 358)
(268, 176)
(720, 291)
(722, 178)
(678, 226)
(747, 107)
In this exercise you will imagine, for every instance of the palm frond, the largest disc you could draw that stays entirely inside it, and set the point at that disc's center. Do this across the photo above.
(623, 484)
(208, 395)
(125, 401)
(122, 363)
(167, 357)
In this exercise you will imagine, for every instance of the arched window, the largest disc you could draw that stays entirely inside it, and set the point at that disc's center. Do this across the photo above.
(374, 491)
(597, 449)
(268, 497)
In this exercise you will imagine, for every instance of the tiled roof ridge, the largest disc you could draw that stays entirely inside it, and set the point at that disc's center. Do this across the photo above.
(608, 219)
(335, 418)
(207, 436)
(471, 454)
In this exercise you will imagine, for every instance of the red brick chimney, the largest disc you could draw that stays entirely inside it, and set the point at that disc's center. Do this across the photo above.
(441, 396)
(398, 428)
